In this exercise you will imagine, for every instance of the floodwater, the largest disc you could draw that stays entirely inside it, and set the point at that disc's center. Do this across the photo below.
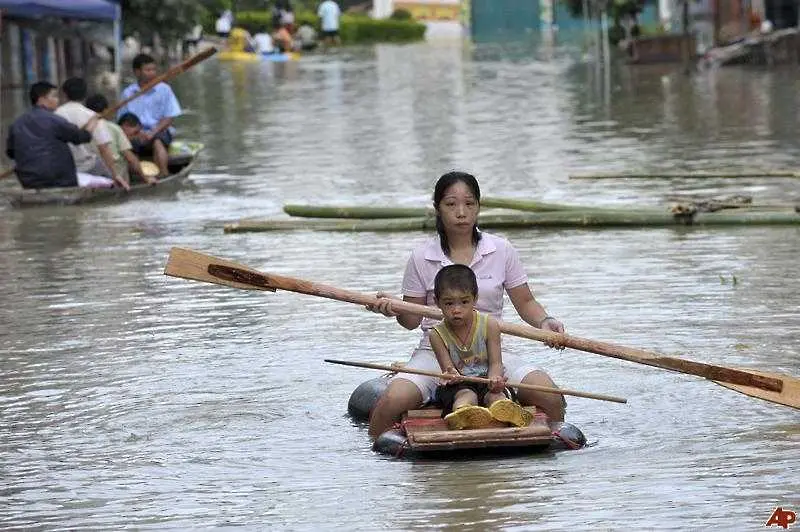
(132, 400)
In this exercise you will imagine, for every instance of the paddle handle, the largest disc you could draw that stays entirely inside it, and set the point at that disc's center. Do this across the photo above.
(191, 264)
(708, 371)
(109, 113)
(479, 380)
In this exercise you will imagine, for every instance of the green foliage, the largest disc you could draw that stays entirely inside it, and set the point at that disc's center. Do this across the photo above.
(401, 14)
(354, 29)
(170, 19)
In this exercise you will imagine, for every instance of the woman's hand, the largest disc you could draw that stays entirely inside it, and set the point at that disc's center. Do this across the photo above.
(383, 305)
(496, 384)
(553, 325)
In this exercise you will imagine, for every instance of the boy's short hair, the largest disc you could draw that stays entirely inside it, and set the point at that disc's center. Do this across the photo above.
(129, 119)
(97, 103)
(141, 60)
(455, 277)
(40, 89)
(75, 89)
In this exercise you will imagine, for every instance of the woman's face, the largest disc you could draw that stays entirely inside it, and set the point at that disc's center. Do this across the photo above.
(459, 209)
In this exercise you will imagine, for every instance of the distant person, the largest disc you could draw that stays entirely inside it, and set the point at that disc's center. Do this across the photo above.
(37, 142)
(157, 109)
(121, 148)
(192, 40)
(224, 24)
(263, 42)
(283, 39)
(240, 40)
(305, 38)
(286, 14)
(329, 14)
(97, 158)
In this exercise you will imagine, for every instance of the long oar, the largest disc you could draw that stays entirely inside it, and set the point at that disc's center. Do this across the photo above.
(773, 387)
(480, 380)
(166, 76)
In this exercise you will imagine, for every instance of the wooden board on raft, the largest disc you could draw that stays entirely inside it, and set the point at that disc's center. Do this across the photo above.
(427, 431)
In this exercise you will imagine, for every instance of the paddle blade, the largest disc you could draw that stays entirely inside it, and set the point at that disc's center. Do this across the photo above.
(189, 264)
(788, 396)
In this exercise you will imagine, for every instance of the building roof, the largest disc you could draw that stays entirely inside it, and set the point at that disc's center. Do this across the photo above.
(76, 9)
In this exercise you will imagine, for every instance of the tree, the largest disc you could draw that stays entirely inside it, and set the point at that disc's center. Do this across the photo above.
(617, 11)
(169, 19)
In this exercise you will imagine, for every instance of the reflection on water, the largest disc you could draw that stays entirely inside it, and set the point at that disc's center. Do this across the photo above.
(132, 399)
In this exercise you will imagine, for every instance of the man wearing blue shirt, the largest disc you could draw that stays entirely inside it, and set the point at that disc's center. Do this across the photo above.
(156, 110)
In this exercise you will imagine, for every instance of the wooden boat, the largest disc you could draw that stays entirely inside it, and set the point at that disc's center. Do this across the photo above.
(183, 156)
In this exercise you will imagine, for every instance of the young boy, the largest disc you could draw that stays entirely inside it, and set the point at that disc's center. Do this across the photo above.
(467, 342)
(121, 148)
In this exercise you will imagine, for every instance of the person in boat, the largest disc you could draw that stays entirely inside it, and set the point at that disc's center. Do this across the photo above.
(157, 109)
(95, 158)
(124, 160)
(241, 41)
(467, 342)
(38, 144)
(497, 266)
(283, 39)
(305, 38)
(263, 42)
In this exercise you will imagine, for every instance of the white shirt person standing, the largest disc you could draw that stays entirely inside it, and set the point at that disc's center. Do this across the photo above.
(329, 14)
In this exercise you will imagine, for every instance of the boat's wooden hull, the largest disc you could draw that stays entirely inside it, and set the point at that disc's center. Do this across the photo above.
(182, 164)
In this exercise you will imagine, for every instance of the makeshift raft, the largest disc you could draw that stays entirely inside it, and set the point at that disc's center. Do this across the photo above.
(423, 433)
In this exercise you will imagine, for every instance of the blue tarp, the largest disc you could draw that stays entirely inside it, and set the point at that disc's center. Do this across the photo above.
(77, 9)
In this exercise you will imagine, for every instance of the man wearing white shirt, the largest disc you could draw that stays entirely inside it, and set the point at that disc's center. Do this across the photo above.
(96, 159)
(329, 14)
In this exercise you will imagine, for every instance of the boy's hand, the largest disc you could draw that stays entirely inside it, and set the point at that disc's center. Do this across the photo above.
(496, 384)
(455, 379)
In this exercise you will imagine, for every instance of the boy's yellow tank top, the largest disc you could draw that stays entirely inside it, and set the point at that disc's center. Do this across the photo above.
(471, 360)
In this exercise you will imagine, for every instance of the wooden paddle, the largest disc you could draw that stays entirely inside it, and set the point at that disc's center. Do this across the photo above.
(773, 387)
(479, 380)
(166, 76)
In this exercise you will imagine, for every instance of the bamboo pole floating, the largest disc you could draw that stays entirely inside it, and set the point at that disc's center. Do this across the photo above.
(557, 219)
(109, 113)
(773, 387)
(521, 204)
(358, 212)
(689, 174)
(478, 380)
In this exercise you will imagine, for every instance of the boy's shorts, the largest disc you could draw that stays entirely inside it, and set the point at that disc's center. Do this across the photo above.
(140, 148)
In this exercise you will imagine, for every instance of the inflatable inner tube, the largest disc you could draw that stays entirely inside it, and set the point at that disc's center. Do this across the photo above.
(364, 397)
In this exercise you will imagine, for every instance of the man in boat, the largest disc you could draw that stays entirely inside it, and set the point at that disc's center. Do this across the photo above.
(37, 141)
(156, 109)
(283, 39)
(124, 160)
(96, 158)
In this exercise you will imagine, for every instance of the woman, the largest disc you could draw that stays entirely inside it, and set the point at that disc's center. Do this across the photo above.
(497, 267)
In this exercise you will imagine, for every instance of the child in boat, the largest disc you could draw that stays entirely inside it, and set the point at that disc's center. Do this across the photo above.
(467, 342)
(121, 149)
